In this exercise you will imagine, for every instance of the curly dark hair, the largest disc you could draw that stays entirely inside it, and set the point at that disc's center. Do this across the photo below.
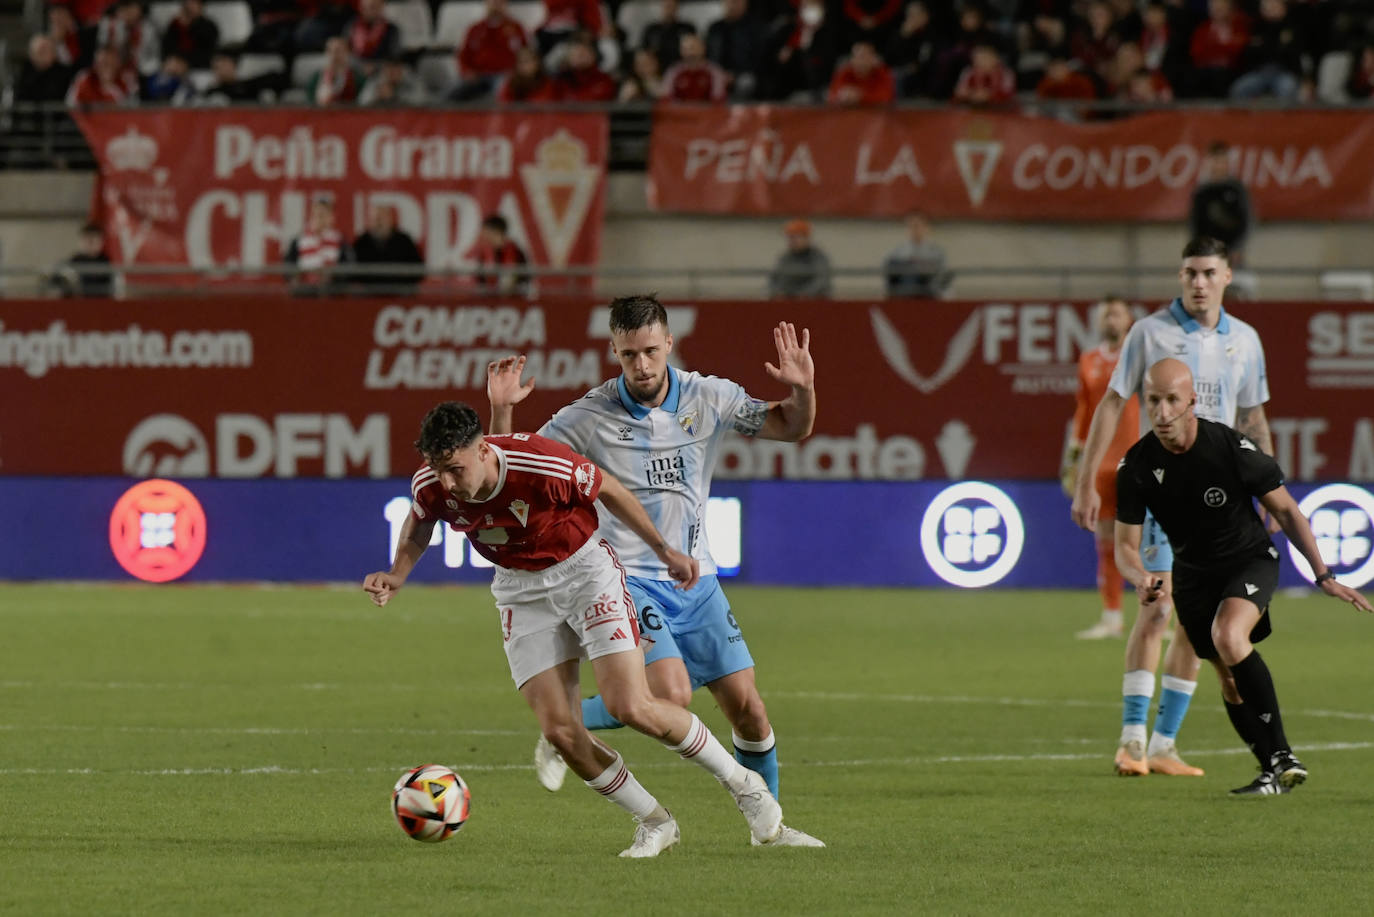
(1206, 247)
(630, 313)
(448, 426)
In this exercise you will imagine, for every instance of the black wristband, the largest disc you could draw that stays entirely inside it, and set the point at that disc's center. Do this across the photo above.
(1329, 574)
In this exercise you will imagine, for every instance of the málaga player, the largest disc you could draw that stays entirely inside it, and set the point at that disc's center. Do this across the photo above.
(658, 430)
(528, 505)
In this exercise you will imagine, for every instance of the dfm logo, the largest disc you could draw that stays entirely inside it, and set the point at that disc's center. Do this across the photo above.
(972, 534)
(1342, 520)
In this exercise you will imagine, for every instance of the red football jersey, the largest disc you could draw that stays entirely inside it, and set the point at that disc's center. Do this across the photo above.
(542, 511)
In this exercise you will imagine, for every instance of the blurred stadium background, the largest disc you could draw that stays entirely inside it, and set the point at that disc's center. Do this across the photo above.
(215, 343)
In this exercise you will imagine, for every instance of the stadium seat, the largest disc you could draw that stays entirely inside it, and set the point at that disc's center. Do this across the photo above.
(252, 66)
(634, 15)
(304, 67)
(1349, 285)
(438, 71)
(412, 19)
(159, 14)
(1332, 73)
(455, 18)
(529, 13)
(700, 13)
(235, 21)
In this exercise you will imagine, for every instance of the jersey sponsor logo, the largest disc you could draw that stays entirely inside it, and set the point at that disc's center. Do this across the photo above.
(521, 510)
(1251, 589)
(1159, 473)
(584, 476)
(665, 469)
(1214, 497)
(1342, 521)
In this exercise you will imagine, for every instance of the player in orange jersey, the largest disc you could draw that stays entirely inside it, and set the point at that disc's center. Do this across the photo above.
(1113, 318)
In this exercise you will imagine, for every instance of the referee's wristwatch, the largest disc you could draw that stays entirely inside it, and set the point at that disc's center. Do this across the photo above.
(1329, 574)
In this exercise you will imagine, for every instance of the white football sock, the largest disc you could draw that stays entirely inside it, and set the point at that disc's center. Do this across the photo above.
(1112, 617)
(700, 747)
(618, 785)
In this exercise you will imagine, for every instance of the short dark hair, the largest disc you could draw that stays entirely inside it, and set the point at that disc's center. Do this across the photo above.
(496, 222)
(630, 313)
(448, 426)
(1206, 247)
(92, 229)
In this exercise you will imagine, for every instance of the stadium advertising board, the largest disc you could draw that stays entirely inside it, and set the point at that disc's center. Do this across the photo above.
(966, 534)
(250, 388)
(232, 187)
(981, 165)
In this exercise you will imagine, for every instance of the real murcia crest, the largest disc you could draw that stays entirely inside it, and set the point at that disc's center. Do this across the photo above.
(521, 510)
(560, 186)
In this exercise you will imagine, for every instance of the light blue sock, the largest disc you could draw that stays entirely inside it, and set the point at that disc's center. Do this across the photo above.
(596, 716)
(1174, 697)
(760, 757)
(1137, 687)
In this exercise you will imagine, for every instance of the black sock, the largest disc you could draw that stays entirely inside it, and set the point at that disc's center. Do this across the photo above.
(1247, 727)
(1256, 688)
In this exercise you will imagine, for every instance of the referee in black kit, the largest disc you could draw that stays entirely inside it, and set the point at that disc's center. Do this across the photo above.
(1198, 477)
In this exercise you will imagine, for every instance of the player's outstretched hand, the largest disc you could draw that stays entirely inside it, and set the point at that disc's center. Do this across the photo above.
(794, 357)
(1151, 591)
(1346, 594)
(503, 381)
(1086, 509)
(381, 586)
(682, 568)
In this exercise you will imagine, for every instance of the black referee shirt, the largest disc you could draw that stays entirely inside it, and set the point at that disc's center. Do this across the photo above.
(1200, 498)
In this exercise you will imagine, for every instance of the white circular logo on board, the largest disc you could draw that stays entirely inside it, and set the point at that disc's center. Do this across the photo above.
(1342, 521)
(972, 534)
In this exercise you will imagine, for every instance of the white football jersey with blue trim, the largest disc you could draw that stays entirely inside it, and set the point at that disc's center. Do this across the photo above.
(663, 455)
(1227, 361)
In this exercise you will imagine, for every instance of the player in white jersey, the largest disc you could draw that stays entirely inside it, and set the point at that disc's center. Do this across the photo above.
(1227, 362)
(658, 430)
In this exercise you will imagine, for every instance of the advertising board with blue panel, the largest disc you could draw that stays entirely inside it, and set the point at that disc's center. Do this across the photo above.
(965, 534)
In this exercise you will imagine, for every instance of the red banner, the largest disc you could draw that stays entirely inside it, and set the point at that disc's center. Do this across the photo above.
(217, 187)
(252, 387)
(1298, 165)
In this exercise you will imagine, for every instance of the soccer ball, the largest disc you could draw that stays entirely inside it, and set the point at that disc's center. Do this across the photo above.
(430, 803)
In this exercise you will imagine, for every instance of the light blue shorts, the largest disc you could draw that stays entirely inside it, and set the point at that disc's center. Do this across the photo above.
(695, 626)
(1155, 553)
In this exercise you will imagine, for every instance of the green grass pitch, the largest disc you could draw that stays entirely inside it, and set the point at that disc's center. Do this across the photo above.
(205, 750)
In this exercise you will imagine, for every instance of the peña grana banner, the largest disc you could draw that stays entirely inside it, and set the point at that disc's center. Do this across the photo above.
(231, 187)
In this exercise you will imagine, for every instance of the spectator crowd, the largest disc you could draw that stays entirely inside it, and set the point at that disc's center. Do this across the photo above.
(851, 52)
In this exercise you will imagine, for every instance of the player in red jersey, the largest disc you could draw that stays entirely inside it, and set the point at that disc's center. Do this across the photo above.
(528, 505)
(1114, 319)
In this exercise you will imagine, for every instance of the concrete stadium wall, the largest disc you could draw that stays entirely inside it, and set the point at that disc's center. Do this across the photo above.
(40, 214)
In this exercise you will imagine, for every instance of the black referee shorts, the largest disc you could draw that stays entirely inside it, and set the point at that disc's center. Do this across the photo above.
(1199, 593)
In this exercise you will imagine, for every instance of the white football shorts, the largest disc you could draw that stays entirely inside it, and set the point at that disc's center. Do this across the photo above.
(579, 608)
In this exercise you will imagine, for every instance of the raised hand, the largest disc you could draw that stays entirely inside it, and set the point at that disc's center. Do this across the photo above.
(794, 367)
(504, 387)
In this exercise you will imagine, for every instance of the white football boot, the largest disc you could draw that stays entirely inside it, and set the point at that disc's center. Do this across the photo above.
(548, 765)
(790, 837)
(759, 808)
(652, 838)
